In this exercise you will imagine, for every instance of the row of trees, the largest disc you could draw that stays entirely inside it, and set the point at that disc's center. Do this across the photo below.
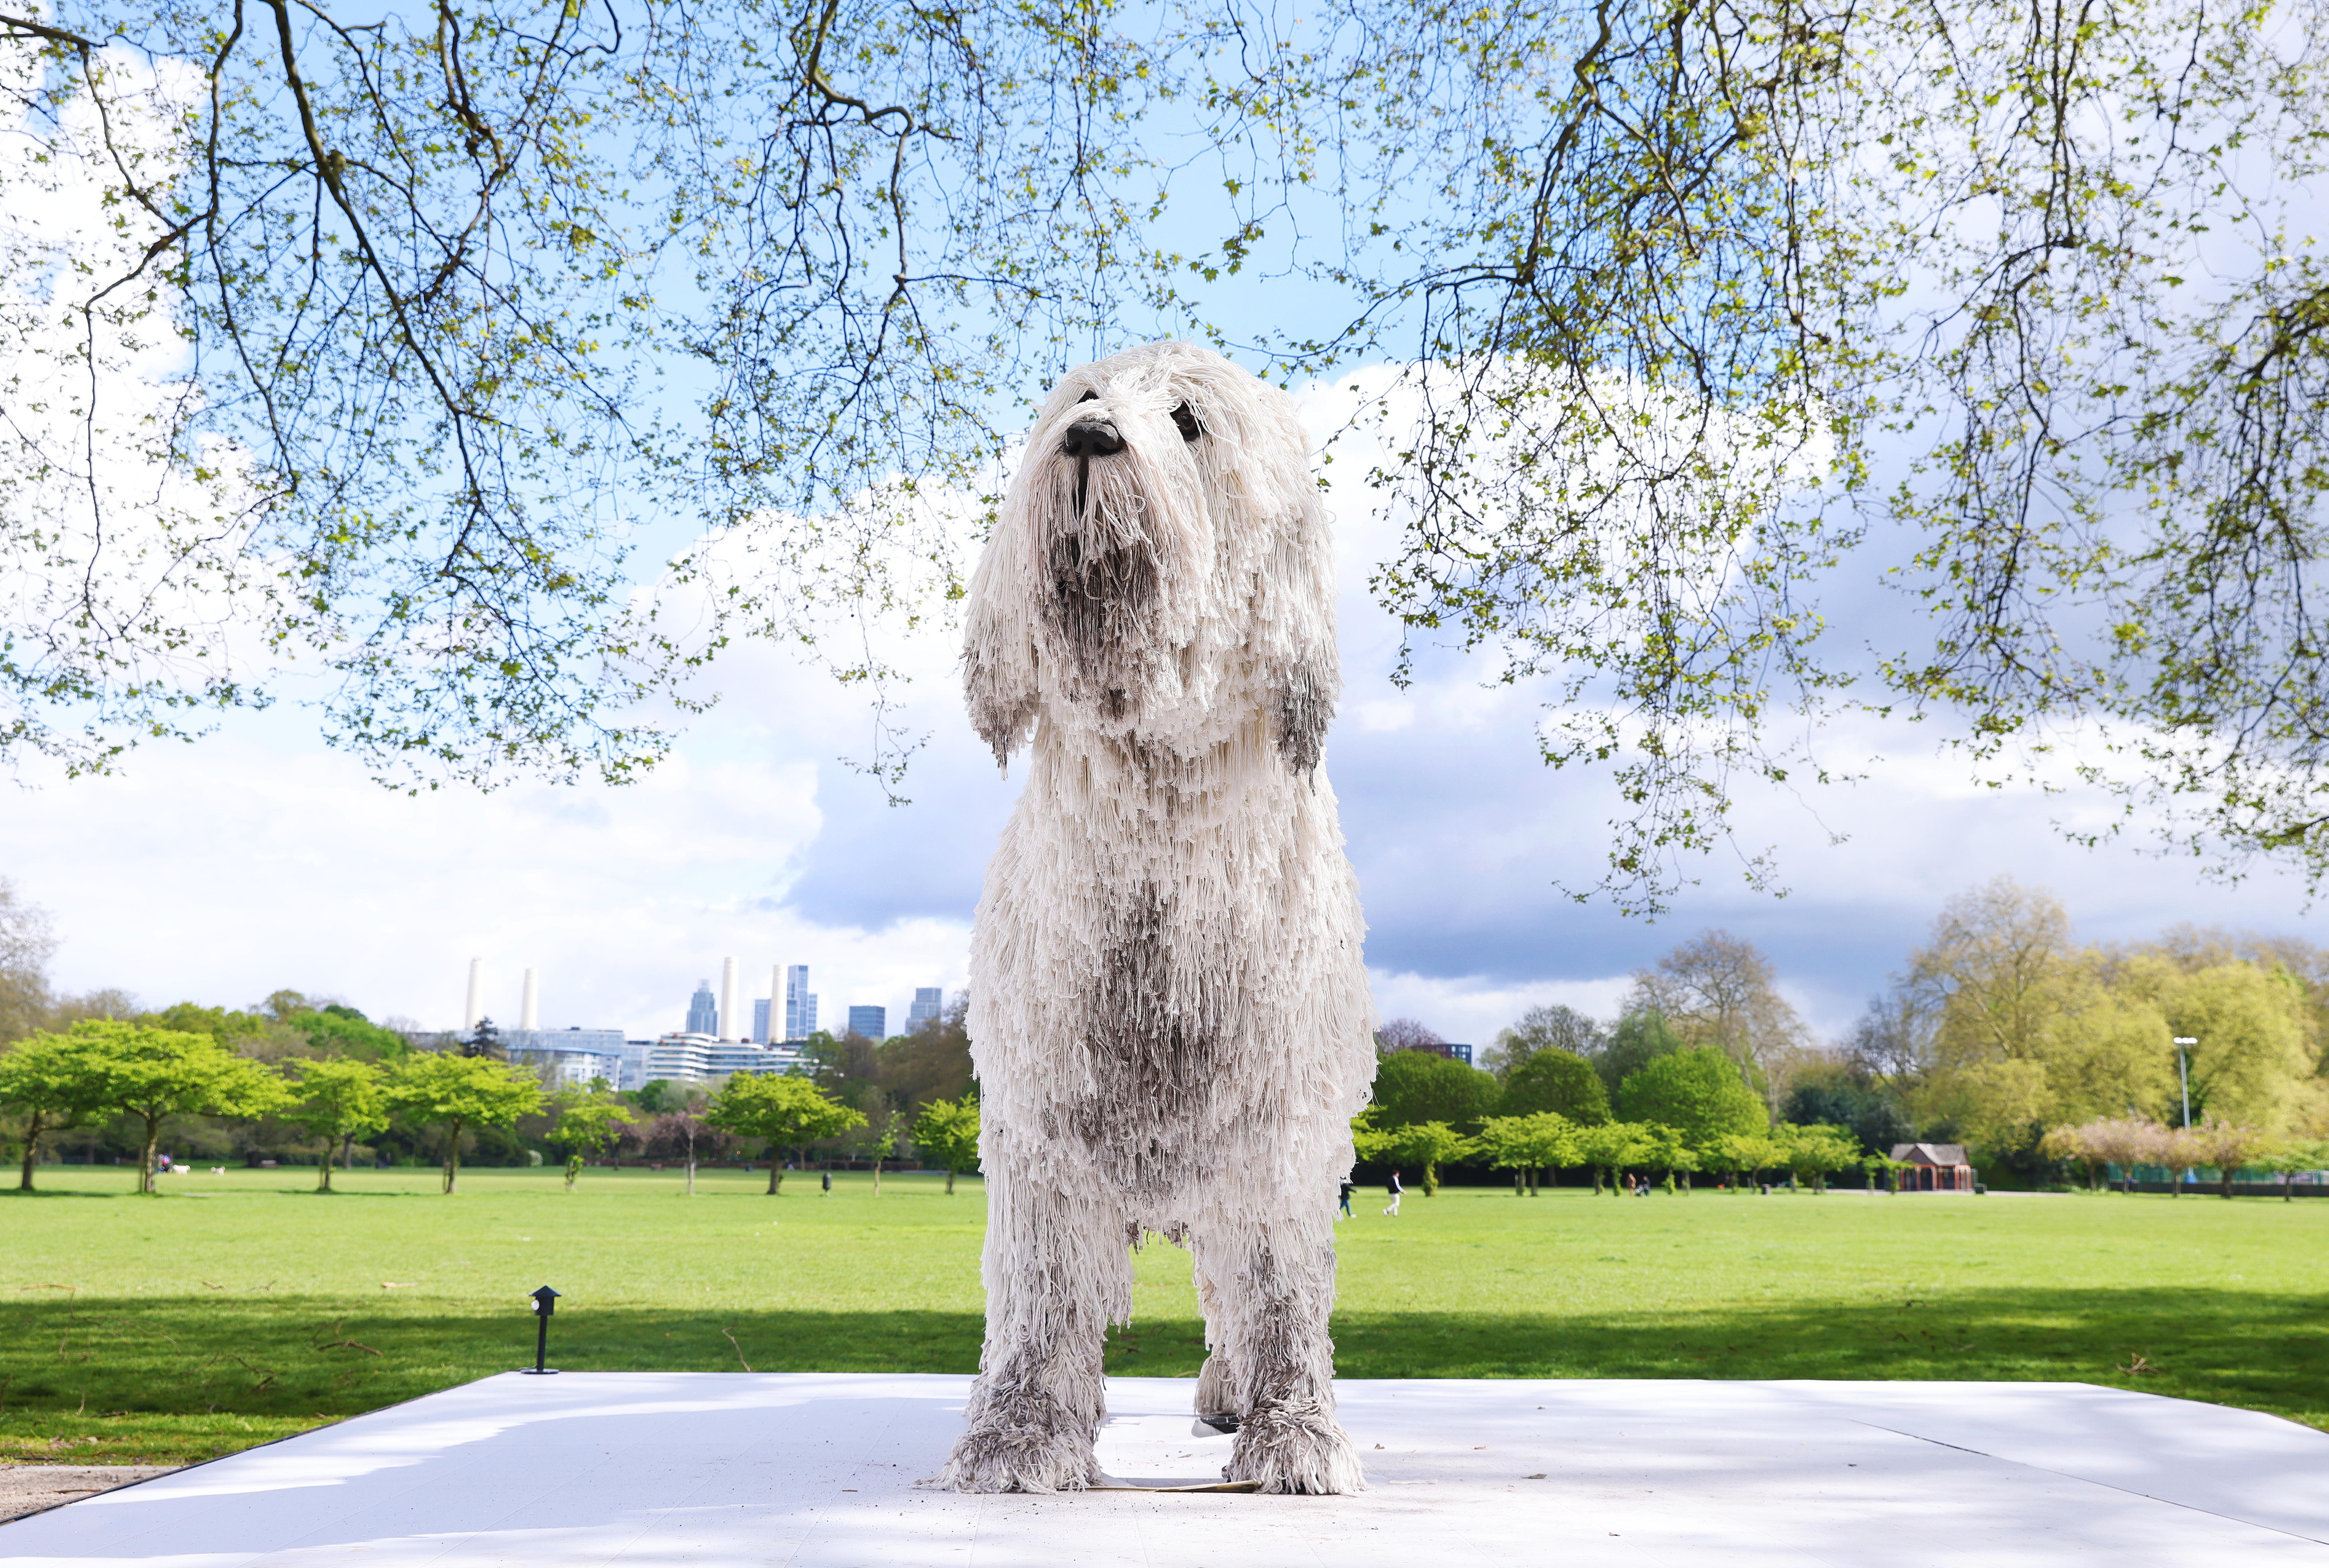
(2001, 1032)
(1528, 1145)
(2130, 1143)
(109, 1068)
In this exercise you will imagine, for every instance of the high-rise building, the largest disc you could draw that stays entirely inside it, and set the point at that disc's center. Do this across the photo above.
(800, 1008)
(760, 1020)
(929, 1001)
(702, 1012)
(870, 1022)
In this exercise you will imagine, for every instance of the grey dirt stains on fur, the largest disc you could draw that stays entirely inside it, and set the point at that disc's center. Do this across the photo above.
(1103, 577)
(1001, 717)
(1304, 710)
(1154, 1050)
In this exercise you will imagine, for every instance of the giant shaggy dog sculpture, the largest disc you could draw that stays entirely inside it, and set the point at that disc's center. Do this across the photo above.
(1169, 1008)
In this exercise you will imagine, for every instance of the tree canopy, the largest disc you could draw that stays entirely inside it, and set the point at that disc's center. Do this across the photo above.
(1557, 1080)
(1417, 1086)
(53, 1082)
(337, 1100)
(501, 362)
(947, 1132)
(782, 1109)
(153, 1074)
(1698, 1092)
(457, 1093)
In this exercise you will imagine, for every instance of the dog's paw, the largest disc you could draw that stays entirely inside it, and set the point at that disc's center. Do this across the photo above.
(1296, 1447)
(1000, 1454)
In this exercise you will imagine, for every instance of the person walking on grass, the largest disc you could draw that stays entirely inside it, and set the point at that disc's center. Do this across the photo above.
(1396, 1192)
(1345, 1198)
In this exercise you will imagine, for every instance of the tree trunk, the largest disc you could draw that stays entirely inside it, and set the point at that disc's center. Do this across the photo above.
(145, 1162)
(33, 1132)
(877, 1175)
(452, 1155)
(775, 1170)
(324, 1169)
(2288, 1185)
(2228, 1173)
(949, 1181)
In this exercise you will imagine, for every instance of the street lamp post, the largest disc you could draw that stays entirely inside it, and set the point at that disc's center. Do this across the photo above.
(2183, 1075)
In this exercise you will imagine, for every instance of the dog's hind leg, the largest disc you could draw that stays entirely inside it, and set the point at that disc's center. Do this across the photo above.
(1217, 1391)
(1058, 1270)
(1275, 1280)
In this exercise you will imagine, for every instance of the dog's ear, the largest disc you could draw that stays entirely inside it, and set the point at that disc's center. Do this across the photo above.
(998, 654)
(1002, 710)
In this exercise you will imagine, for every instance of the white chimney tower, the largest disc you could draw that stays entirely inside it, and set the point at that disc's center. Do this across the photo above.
(529, 1008)
(476, 1008)
(776, 1006)
(728, 1029)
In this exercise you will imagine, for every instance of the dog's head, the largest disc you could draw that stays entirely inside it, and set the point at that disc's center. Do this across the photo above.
(1161, 568)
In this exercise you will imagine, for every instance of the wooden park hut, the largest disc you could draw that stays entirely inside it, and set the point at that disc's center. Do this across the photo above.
(1933, 1168)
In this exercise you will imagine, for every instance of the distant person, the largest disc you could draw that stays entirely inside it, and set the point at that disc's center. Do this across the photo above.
(1396, 1192)
(1347, 1189)
(828, 1185)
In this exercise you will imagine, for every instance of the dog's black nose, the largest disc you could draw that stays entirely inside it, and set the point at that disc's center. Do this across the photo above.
(1090, 439)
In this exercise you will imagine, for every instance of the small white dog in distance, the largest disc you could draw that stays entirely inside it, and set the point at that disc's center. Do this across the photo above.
(1168, 1001)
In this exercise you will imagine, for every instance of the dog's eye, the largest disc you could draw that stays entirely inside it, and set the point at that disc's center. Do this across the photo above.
(1186, 418)
(1090, 397)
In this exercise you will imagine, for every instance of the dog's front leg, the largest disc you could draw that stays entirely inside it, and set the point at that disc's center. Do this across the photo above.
(1057, 1268)
(1275, 1283)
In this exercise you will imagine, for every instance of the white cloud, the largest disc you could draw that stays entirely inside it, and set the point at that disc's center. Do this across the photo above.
(1472, 1008)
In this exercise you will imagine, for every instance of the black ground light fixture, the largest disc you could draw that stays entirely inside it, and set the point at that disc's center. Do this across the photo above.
(545, 1302)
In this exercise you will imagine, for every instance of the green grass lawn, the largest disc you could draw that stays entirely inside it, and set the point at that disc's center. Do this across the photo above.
(242, 1308)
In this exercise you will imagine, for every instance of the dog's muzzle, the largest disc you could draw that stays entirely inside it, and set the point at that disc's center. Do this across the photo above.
(1087, 439)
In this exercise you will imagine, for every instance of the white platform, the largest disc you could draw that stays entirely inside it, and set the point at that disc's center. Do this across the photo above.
(654, 1470)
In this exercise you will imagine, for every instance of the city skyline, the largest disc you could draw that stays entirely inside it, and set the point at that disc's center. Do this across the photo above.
(699, 1014)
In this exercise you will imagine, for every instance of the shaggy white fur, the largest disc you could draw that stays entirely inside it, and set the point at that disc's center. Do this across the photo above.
(1168, 1001)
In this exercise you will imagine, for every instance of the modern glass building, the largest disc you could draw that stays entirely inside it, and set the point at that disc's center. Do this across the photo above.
(569, 1057)
(800, 1007)
(681, 1058)
(870, 1022)
(703, 1011)
(761, 1010)
(929, 1001)
(699, 1058)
